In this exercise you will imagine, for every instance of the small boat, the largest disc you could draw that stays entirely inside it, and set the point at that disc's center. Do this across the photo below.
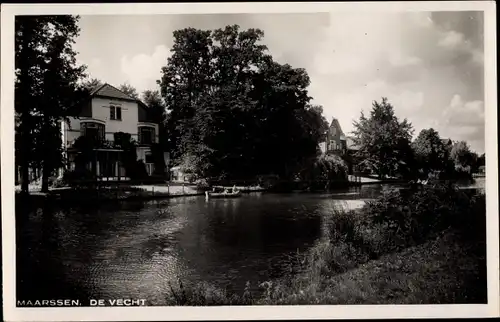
(233, 194)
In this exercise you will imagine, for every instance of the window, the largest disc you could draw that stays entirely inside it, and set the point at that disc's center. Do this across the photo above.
(95, 131)
(146, 135)
(115, 113)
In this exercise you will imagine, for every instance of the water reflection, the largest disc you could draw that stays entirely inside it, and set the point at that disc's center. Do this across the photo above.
(134, 249)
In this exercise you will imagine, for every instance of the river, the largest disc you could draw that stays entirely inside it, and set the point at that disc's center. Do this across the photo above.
(135, 249)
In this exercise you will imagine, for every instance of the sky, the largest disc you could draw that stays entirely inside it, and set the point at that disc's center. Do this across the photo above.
(428, 64)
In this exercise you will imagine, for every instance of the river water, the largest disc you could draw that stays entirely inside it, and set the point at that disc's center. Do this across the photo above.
(135, 249)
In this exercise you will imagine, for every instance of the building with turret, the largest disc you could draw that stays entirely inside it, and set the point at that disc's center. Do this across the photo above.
(334, 140)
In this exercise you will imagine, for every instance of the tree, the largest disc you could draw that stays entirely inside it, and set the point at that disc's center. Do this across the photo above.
(324, 170)
(431, 153)
(91, 84)
(45, 90)
(157, 112)
(185, 82)
(233, 110)
(384, 141)
(129, 90)
(29, 41)
(481, 161)
(60, 90)
(156, 109)
(463, 158)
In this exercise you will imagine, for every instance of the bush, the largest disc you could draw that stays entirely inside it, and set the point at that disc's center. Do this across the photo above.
(202, 184)
(422, 215)
(397, 220)
(326, 172)
(267, 181)
(137, 170)
(412, 216)
(74, 177)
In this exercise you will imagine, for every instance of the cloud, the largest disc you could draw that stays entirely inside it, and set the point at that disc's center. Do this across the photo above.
(464, 121)
(397, 59)
(94, 68)
(423, 62)
(143, 70)
(451, 39)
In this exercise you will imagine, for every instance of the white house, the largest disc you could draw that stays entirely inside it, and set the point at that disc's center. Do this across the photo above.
(108, 111)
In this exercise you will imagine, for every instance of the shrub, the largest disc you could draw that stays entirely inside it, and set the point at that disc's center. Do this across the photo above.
(267, 181)
(395, 221)
(325, 171)
(74, 177)
(411, 216)
(202, 184)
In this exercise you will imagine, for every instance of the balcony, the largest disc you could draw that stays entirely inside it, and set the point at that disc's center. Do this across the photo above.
(95, 144)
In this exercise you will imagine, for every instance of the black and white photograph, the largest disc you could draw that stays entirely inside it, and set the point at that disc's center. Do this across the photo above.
(246, 156)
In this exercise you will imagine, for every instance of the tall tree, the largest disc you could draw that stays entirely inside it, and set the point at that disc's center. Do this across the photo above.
(185, 83)
(60, 90)
(234, 111)
(30, 40)
(129, 90)
(383, 140)
(46, 90)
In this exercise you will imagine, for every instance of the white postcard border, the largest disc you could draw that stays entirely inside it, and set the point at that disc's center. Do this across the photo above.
(253, 312)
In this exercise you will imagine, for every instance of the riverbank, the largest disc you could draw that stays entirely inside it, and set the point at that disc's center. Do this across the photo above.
(123, 193)
(426, 246)
(441, 271)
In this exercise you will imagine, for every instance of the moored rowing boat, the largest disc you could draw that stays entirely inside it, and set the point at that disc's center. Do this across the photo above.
(235, 194)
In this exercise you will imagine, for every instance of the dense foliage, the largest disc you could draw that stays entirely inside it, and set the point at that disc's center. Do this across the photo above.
(129, 90)
(386, 149)
(432, 154)
(384, 141)
(46, 90)
(324, 171)
(226, 111)
(233, 111)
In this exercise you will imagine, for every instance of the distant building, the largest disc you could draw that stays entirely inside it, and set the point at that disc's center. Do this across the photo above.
(334, 140)
(106, 112)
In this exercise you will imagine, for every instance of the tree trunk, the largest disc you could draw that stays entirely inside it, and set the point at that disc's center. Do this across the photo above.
(46, 166)
(24, 127)
(24, 177)
(25, 151)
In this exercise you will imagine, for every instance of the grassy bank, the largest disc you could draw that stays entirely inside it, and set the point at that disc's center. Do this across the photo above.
(424, 245)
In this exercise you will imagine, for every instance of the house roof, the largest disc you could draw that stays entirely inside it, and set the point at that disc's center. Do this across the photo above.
(107, 90)
(336, 123)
